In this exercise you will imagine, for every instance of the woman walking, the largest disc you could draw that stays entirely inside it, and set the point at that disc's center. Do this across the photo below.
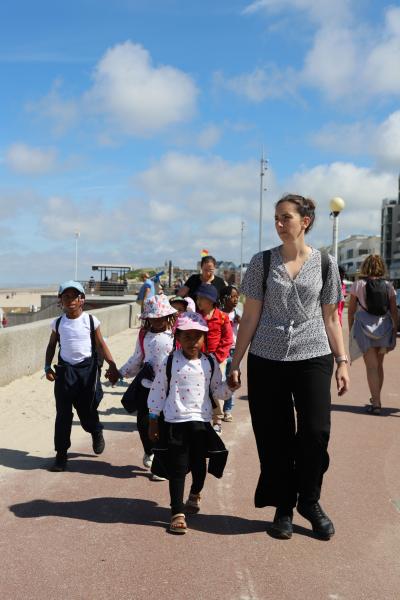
(290, 319)
(208, 265)
(373, 316)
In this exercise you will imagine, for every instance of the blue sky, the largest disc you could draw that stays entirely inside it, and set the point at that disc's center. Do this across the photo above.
(140, 124)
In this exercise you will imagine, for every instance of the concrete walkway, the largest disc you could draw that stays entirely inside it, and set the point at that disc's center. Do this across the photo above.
(97, 532)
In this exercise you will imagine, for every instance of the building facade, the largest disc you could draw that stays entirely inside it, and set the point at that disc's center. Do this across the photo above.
(390, 236)
(353, 249)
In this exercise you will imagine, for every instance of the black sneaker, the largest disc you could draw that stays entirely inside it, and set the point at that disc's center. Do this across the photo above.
(98, 442)
(282, 527)
(321, 523)
(60, 462)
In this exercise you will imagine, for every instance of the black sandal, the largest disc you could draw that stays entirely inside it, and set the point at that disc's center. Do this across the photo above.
(374, 410)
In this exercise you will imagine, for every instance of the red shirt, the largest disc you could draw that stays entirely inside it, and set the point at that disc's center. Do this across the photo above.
(219, 335)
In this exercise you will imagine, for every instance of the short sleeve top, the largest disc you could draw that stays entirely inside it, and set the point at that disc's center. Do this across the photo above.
(291, 325)
(195, 281)
(75, 339)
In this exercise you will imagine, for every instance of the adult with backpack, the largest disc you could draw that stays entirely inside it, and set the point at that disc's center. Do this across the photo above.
(373, 317)
(291, 323)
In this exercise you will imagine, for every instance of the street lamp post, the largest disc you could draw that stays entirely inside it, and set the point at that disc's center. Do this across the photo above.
(264, 166)
(241, 251)
(336, 205)
(77, 234)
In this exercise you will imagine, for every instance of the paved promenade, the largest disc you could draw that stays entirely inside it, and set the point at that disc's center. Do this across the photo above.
(97, 532)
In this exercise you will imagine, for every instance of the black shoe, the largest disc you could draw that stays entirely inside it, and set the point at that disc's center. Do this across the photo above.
(321, 523)
(60, 463)
(282, 527)
(98, 442)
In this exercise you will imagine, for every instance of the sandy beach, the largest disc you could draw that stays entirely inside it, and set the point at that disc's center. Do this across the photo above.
(28, 410)
(25, 297)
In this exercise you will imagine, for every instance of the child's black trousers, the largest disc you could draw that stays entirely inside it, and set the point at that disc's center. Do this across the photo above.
(293, 452)
(188, 453)
(75, 388)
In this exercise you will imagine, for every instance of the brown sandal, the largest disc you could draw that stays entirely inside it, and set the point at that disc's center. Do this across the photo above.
(192, 505)
(178, 524)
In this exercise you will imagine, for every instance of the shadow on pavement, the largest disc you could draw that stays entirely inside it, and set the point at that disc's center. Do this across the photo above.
(113, 411)
(19, 459)
(133, 512)
(115, 425)
(386, 411)
(101, 467)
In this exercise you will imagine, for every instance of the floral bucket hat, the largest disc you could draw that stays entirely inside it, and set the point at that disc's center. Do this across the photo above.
(190, 320)
(157, 307)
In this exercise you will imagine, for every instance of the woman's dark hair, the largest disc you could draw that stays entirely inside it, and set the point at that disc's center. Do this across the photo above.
(342, 273)
(304, 206)
(207, 259)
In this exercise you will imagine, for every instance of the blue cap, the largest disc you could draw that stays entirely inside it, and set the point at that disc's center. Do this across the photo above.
(207, 290)
(71, 284)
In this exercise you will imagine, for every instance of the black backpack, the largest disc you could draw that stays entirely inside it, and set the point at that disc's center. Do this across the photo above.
(267, 263)
(377, 297)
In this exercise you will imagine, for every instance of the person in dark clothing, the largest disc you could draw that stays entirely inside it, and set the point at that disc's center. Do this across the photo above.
(75, 376)
(207, 265)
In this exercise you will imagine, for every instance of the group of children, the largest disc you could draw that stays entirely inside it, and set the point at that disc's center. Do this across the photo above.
(178, 362)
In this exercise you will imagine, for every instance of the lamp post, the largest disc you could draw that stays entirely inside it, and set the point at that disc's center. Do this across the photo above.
(77, 234)
(336, 205)
(241, 251)
(263, 168)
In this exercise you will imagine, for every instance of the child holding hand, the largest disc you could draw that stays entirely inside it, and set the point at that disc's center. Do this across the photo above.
(183, 390)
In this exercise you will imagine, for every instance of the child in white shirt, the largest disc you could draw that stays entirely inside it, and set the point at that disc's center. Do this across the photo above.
(181, 390)
(229, 299)
(154, 343)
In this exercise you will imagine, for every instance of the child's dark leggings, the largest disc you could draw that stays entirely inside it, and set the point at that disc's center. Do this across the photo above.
(142, 419)
(190, 455)
(75, 388)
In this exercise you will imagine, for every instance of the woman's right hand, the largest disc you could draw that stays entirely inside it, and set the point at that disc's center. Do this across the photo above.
(234, 379)
(50, 375)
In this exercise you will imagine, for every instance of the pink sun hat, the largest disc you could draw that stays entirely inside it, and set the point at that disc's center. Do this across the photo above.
(157, 307)
(191, 320)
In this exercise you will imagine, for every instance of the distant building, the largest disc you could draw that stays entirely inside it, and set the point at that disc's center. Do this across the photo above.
(352, 251)
(390, 236)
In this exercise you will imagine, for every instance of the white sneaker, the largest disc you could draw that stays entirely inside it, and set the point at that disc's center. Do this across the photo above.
(217, 428)
(157, 478)
(148, 460)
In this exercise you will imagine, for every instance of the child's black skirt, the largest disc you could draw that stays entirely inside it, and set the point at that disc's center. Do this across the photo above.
(180, 434)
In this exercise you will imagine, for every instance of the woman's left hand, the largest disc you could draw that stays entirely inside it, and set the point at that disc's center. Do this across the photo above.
(342, 378)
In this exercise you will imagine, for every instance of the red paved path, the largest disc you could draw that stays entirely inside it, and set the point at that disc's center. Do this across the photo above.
(98, 531)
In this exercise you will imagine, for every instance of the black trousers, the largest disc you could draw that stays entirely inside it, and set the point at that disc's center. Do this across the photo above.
(142, 419)
(293, 456)
(75, 387)
(190, 454)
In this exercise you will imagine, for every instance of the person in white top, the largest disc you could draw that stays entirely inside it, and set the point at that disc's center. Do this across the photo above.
(155, 341)
(76, 374)
(183, 389)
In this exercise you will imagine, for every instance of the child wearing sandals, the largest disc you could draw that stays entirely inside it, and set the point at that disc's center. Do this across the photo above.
(183, 390)
(229, 299)
(155, 342)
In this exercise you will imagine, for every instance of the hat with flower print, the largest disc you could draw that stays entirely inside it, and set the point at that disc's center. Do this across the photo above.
(157, 307)
(191, 320)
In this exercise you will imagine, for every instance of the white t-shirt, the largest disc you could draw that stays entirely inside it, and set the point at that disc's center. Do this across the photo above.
(75, 342)
(156, 347)
(188, 398)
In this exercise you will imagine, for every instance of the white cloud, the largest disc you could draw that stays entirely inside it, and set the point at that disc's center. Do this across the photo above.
(61, 112)
(259, 85)
(348, 60)
(209, 136)
(28, 160)
(380, 141)
(136, 96)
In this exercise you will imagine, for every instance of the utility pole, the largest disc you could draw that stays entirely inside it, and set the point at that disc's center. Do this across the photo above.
(263, 168)
(77, 234)
(241, 251)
